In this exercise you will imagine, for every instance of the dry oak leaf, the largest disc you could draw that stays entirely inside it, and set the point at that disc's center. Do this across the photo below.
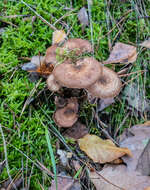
(136, 139)
(146, 43)
(119, 177)
(122, 53)
(58, 36)
(101, 151)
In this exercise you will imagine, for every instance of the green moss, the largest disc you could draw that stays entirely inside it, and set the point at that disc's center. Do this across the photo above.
(25, 132)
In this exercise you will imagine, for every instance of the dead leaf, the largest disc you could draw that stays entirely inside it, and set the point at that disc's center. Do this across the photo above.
(65, 183)
(77, 131)
(58, 36)
(83, 17)
(136, 140)
(104, 103)
(33, 64)
(143, 165)
(122, 53)
(38, 65)
(146, 43)
(101, 151)
(148, 188)
(147, 123)
(118, 177)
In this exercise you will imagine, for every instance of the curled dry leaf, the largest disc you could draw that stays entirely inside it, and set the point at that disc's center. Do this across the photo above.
(146, 43)
(122, 53)
(101, 151)
(33, 64)
(83, 17)
(136, 140)
(118, 177)
(58, 36)
(77, 131)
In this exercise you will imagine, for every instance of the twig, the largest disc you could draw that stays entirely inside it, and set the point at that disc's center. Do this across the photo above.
(31, 94)
(40, 17)
(65, 15)
(91, 25)
(7, 22)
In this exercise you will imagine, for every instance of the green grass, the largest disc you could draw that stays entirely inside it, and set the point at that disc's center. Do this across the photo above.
(25, 132)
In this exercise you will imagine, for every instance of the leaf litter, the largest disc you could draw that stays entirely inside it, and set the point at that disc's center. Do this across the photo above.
(99, 150)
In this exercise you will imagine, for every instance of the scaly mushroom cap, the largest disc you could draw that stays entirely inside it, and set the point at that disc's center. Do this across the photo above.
(52, 84)
(80, 46)
(67, 116)
(51, 54)
(80, 75)
(107, 86)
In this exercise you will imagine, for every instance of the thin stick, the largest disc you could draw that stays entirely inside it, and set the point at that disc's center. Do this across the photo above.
(91, 26)
(40, 17)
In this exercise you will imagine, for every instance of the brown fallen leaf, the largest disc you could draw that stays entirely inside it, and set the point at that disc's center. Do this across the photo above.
(147, 123)
(146, 43)
(143, 165)
(147, 188)
(118, 177)
(65, 183)
(136, 140)
(77, 131)
(58, 36)
(101, 151)
(122, 53)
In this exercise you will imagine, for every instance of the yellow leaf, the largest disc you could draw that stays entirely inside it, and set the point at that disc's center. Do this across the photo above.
(58, 36)
(101, 151)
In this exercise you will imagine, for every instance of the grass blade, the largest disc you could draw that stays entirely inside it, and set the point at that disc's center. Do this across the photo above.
(51, 155)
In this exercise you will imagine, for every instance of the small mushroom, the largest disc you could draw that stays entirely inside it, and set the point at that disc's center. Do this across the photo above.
(52, 84)
(80, 46)
(67, 116)
(107, 86)
(60, 102)
(51, 54)
(80, 75)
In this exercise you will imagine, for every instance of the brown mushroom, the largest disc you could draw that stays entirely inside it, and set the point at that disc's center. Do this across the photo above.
(52, 84)
(78, 45)
(107, 86)
(51, 54)
(60, 102)
(80, 75)
(67, 116)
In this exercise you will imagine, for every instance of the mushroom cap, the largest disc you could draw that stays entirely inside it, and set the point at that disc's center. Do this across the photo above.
(80, 75)
(80, 45)
(67, 116)
(52, 84)
(50, 56)
(107, 86)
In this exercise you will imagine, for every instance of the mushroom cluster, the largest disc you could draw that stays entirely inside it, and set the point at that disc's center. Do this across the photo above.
(78, 72)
